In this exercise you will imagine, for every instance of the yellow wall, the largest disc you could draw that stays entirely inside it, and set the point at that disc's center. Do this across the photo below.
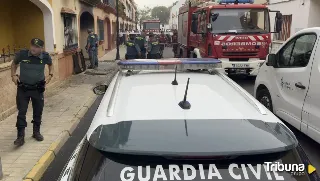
(30, 24)
(6, 37)
(20, 21)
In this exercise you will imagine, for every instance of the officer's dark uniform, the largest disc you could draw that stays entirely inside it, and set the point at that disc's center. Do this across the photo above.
(31, 86)
(141, 41)
(153, 48)
(92, 41)
(96, 51)
(133, 48)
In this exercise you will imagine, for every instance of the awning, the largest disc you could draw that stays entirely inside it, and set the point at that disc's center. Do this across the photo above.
(67, 10)
(91, 2)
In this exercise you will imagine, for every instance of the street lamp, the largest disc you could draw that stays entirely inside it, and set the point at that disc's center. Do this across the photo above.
(117, 22)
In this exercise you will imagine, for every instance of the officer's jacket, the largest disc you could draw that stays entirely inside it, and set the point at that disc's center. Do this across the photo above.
(153, 46)
(174, 39)
(132, 48)
(141, 41)
(32, 67)
(92, 40)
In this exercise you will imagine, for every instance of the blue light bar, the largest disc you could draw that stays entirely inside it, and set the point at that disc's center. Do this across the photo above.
(169, 64)
(233, 1)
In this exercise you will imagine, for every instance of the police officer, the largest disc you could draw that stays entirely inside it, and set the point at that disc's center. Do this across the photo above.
(133, 49)
(31, 85)
(91, 48)
(96, 51)
(175, 43)
(141, 41)
(153, 47)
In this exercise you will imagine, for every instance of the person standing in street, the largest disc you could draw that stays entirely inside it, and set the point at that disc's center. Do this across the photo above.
(153, 47)
(175, 43)
(91, 48)
(96, 51)
(141, 41)
(133, 49)
(31, 84)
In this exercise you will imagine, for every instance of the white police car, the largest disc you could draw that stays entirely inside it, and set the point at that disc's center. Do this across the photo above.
(161, 122)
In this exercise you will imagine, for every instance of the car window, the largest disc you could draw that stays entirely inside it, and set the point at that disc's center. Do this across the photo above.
(285, 54)
(297, 52)
(102, 166)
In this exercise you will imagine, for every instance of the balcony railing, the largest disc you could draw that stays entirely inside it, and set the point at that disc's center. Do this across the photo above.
(91, 2)
(107, 7)
(7, 53)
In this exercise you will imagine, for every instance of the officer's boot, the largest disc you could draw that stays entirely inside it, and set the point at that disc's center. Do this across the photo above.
(20, 138)
(36, 133)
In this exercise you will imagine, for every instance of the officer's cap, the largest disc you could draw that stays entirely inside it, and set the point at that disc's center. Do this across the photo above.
(90, 30)
(37, 42)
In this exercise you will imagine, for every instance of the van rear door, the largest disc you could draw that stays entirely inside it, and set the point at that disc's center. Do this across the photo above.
(292, 78)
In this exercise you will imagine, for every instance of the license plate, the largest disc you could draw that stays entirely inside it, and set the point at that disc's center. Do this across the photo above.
(241, 71)
(240, 65)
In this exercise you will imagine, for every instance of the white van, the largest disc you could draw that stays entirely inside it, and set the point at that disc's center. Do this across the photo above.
(288, 83)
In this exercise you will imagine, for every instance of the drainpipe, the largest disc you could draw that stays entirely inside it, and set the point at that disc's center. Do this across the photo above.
(1, 173)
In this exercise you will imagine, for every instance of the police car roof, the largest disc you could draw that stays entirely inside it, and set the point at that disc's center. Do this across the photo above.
(149, 95)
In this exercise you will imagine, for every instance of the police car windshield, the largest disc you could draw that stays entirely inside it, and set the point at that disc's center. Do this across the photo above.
(102, 166)
(152, 147)
(241, 21)
(193, 137)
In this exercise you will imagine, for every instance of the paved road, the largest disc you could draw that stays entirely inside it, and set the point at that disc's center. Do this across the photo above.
(52, 174)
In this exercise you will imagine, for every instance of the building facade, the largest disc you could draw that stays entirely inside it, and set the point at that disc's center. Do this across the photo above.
(297, 15)
(63, 25)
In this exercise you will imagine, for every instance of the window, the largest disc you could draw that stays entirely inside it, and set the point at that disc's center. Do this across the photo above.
(241, 21)
(286, 26)
(70, 30)
(297, 52)
(202, 22)
(101, 29)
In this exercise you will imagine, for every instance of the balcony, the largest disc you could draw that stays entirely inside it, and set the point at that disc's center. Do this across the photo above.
(108, 6)
(91, 2)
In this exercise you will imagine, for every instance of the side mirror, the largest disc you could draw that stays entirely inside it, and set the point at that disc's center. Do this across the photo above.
(100, 89)
(214, 17)
(271, 60)
(279, 22)
(194, 27)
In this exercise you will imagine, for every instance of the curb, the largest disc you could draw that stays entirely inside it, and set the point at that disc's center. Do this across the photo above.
(43, 163)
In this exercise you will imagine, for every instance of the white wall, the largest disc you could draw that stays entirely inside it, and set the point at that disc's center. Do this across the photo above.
(314, 13)
(299, 10)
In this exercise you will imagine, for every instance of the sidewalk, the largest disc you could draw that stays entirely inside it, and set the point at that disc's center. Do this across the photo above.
(111, 56)
(61, 115)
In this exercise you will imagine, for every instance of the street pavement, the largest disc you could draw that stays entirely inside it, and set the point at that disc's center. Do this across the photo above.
(60, 112)
(111, 56)
(54, 170)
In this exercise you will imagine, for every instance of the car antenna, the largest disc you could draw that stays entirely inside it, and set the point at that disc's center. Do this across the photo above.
(184, 104)
(175, 82)
(186, 127)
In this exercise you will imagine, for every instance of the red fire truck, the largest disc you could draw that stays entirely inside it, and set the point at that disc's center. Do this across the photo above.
(152, 25)
(237, 32)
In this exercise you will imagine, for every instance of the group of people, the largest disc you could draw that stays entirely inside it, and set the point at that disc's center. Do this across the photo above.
(139, 47)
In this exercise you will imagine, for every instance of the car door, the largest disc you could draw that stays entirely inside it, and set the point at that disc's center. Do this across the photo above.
(292, 78)
(311, 108)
